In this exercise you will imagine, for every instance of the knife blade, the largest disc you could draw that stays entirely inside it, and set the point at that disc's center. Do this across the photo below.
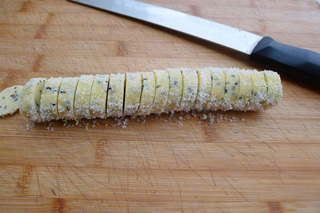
(262, 49)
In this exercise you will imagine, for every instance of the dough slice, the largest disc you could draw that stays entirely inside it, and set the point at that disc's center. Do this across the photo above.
(49, 100)
(30, 99)
(10, 100)
(274, 93)
(115, 95)
(205, 87)
(132, 93)
(66, 98)
(245, 91)
(147, 93)
(175, 90)
(190, 89)
(259, 91)
(232, 88)
(83, 95)
(162, 91)
(98, 97)
(218, 89)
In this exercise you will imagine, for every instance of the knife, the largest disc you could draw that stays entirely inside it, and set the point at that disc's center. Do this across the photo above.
(262, 49)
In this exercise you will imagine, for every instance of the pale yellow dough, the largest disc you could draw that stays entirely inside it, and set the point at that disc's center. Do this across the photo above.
(30, 99)
(10, 100)
(190, 89)
(132, 93)
(245, 90)
(66, 98)
(98, 99)
(49, 100)
(175, 90)
(162, 91)
(218, 89)
(115, 95)
(83, 96)
(205, 87)
(274, 85)
(259, 91)
(147, 94)
(232, 88)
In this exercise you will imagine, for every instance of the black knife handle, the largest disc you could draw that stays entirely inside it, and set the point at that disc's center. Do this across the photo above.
(302, 60)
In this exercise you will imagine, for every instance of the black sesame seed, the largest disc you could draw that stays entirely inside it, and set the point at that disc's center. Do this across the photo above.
(5, 107)
(62, 91)
(3, 97)
(189, 89)
(68, 108)
(144, 79)
(233, 76)
(233, 87)
(0, 107)
(99, 82)
(240, 97)
(53, 104)
(236, 83)
(225, 91)
(15, 88)
(158, 86)
(109, 88)
(48, 88)
(142, 87)
(211, 78)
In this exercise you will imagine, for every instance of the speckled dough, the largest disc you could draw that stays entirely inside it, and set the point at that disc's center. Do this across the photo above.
(66, 98)
(259, 91)
(30, 99)
(9, 100)
(232, 88)
(245, 90)
(49, 100)
(274, 85)
(98, 99)
(132, 93)
(175, 90)
(205, 87)
(190, 89)
(147, 94)
(162, 91)
(83, 95)
(115, 95)
(218, 89)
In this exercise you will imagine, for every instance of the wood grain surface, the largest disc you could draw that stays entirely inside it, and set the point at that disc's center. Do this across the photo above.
(244, 162)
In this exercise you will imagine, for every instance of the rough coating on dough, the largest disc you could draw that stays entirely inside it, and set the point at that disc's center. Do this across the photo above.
(190, 89)
(83, 95)
(66, 98)
(49, 99)
(245, 90)
(9, 100)
(204, 88)
(115, 95)
(132, 93)
(30, 99)
(175, 90)
(232, 88)
(162, 91)
(98, 99)
(218, 89)
(259, 91)
(274, 86)
(147, 93)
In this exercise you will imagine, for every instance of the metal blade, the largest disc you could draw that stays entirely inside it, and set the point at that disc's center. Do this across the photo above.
(233, 38)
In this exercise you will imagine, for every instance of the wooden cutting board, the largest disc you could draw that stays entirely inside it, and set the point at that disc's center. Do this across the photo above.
(238, 162)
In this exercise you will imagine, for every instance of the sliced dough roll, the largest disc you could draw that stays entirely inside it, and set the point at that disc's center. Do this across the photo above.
(259, 91)
(132, 93)
(232, 88)
(30, 99)
(83, 96)
(49, 100)
(98, 99)
(115, 95)
(205, 87)
(274, 86)
(147, 93)
(190, 89)
(10, 100)
(175, 90)
(218, 89)
(245, 91)
(66, 98)
(162, 91)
